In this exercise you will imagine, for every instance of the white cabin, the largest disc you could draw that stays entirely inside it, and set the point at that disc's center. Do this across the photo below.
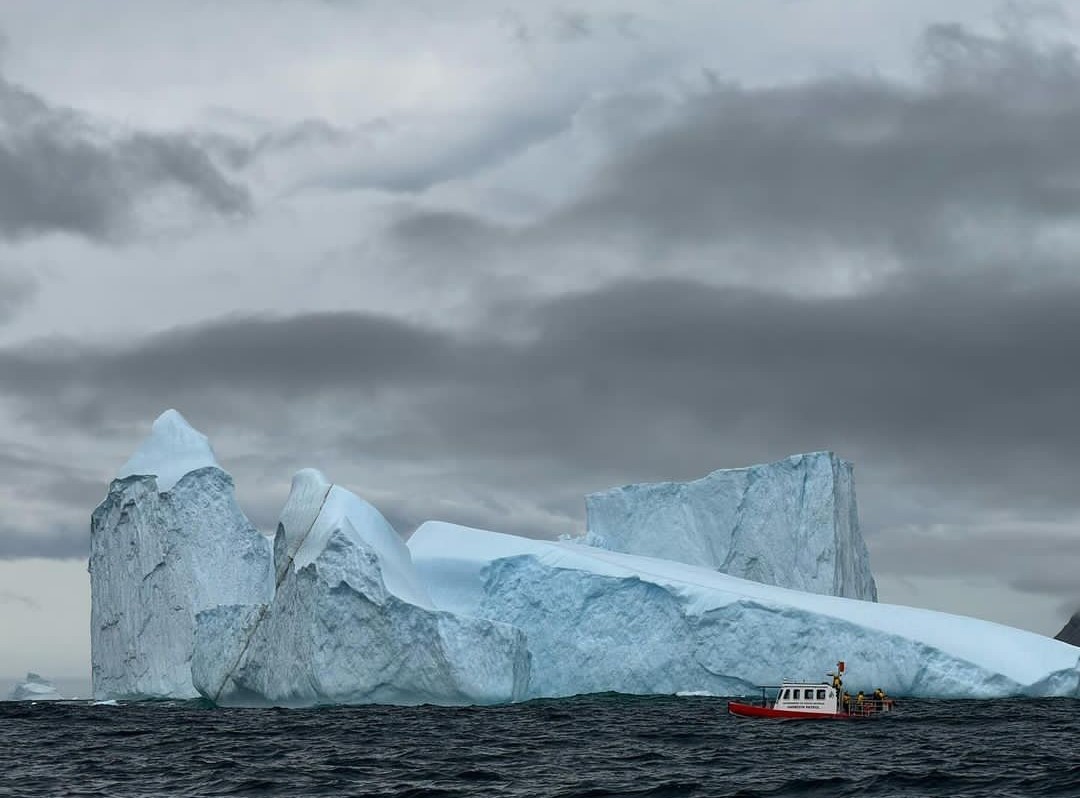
(806, 697)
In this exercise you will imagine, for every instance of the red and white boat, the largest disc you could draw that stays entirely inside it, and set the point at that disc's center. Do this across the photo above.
(814, 701)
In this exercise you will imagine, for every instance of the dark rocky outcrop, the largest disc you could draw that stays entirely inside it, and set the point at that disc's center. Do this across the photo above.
(1070, 633)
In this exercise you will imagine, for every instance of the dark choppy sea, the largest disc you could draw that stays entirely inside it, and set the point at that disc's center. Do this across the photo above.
(608, 745)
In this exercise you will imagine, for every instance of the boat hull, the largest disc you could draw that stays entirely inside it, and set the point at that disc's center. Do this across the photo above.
(753, 711)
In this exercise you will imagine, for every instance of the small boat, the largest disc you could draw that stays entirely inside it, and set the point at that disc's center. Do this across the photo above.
(814, 701)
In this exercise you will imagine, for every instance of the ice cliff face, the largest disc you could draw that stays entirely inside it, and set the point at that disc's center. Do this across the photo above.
(35, 688)
(159, 556)
(792, 523)
(350, 622)
(598, 620)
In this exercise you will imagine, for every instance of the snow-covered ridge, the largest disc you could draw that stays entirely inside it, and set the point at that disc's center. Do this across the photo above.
(316, 508)
(793, 523)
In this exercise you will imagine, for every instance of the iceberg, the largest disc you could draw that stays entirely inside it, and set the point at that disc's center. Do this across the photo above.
(35, 688)
(350, 622)
(189, 599)
(168, 541)
(793, 523)
(599, 620)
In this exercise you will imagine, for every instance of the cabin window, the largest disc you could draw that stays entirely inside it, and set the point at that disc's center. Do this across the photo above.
(820, 695)
(787, 693)
(795, 695)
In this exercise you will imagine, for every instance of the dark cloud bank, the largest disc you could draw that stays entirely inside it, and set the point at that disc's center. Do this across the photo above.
(983, 146)
(984, 367)
(964, 388)
(61, 171)
(972, 170)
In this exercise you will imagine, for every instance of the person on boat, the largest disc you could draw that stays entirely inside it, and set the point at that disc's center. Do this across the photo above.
(847, 701)
(837, 682)
(879, 698)
(859, 701)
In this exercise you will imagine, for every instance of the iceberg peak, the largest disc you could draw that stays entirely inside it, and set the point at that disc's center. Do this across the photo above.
(316, 509)
(172, 449)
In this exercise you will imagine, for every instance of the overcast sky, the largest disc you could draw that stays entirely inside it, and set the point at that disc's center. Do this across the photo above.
(476, 259)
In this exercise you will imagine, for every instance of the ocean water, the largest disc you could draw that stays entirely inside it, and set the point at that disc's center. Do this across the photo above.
(604, 745)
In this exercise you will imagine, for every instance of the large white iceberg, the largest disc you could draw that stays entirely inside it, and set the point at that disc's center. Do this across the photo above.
(599, 620)
(350, 622)
(168, 540)
(188, 598)
(35, 688)
(792, 523)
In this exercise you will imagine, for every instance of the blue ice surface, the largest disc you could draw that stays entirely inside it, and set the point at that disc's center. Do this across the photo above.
(793, 523)
(598, 620)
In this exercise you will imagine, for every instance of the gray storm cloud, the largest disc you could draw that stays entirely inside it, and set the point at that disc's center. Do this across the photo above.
(16, 290)
(970, 169)
(962, 382)
(62, 172)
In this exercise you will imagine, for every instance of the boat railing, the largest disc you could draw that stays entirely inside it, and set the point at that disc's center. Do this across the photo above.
(869, 706)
